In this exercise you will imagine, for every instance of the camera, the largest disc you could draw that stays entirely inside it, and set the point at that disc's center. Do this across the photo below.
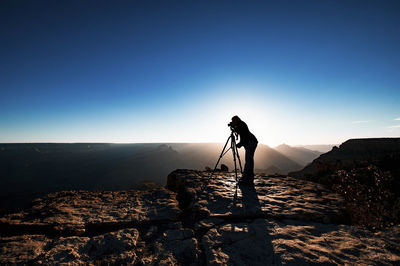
(230, 124)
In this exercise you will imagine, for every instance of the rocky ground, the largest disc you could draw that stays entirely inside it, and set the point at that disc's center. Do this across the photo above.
(196, 220)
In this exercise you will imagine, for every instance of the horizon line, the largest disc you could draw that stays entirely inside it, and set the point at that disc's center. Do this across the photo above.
(155, 142)
(177, 142)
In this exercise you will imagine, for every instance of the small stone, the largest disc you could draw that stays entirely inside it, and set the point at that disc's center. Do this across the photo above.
(177, 234)
(151, 232)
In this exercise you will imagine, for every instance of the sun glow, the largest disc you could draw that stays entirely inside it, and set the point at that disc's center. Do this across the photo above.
(261, 117)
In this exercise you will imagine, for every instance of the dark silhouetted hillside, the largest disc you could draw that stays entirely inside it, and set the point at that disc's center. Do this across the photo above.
(366, 172)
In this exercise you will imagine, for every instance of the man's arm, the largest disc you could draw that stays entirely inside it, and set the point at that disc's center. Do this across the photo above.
(241, 129)
(236, 130)
(239, 144)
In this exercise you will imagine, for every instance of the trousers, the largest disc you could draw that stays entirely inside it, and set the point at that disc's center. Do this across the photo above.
(248, 172)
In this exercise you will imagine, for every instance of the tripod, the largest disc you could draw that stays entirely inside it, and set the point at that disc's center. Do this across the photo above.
(235, 154)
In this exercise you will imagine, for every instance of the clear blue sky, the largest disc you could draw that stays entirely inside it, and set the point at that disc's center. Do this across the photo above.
(298, 72)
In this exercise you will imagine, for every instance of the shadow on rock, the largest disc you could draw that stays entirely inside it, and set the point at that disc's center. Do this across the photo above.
(245, 242)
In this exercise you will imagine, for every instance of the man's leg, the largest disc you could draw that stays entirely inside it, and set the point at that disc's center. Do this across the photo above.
(246, 164)
(250, 158)
(248, 173)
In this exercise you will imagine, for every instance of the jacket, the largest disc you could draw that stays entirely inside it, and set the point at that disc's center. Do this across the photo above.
(245, 135)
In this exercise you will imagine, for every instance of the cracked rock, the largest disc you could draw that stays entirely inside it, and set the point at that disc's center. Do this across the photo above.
(72, 212)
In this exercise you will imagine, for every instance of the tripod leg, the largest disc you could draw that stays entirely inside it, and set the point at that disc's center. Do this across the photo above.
(220, 156)
(234, 156)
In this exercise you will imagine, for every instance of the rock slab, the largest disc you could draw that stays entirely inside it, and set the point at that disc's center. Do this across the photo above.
(73, 212)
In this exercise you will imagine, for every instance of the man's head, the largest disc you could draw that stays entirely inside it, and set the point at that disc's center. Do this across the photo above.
(235, 120)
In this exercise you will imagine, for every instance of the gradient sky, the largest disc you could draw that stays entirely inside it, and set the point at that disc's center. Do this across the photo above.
(298, 72)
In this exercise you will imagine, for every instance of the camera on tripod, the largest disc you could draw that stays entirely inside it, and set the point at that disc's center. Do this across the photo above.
(233, 129)
(234, 149)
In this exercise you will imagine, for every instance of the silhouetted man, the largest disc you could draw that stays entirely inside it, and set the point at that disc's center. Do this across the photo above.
(249, 142)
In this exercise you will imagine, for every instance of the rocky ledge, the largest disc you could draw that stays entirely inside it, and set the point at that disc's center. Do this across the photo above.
(366, 172)
(196, 220)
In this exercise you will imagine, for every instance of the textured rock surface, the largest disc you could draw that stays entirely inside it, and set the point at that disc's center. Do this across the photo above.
(113, 247)
(77, 211)
(282, 221)
(267, 242)
(273, 196)
(21, 249)
(299, 243)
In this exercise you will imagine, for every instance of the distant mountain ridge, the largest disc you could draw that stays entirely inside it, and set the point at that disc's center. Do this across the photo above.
(300, 155)
(323, 148)
(199, 155)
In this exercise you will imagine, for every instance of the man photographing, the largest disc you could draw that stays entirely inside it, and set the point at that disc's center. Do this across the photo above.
(249, 142)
